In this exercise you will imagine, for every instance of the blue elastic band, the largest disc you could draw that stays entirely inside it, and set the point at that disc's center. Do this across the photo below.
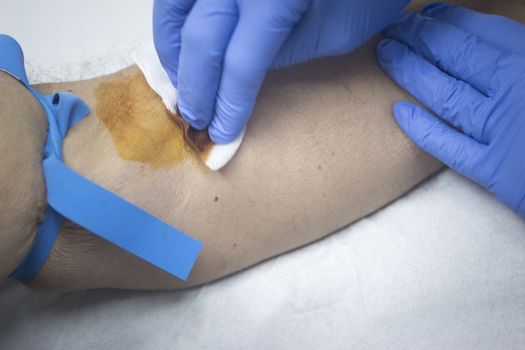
(72, 196)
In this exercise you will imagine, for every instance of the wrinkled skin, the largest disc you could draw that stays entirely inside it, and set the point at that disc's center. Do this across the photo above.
(321, 151)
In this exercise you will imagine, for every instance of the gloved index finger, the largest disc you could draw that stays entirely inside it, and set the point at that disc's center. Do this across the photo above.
(168, 18)
(501, 32)
(201, 57)
(262, 28)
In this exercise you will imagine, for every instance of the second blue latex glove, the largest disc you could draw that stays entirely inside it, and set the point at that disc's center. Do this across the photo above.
(217, 52)
(469, 69)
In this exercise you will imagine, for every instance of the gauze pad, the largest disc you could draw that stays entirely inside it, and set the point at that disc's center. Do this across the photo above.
(213, 155)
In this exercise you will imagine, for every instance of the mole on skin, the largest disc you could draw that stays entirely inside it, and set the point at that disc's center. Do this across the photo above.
(141, 127)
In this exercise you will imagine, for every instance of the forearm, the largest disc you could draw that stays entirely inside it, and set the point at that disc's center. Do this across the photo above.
(22, 191)
(320, 152)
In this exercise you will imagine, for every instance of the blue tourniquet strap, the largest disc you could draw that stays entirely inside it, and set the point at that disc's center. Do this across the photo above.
(72, 196)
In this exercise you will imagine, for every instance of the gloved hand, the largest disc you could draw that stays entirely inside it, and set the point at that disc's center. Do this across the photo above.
(469, 69)
(217, 52)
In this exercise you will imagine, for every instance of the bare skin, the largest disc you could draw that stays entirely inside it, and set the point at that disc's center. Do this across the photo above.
(22, 196)
(321, 152)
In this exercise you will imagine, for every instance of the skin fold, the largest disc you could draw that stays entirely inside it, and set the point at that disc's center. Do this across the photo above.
(321, 151)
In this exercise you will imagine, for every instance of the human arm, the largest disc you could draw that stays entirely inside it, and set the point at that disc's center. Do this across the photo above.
(22, 191)
(314, 160)
(321, 152)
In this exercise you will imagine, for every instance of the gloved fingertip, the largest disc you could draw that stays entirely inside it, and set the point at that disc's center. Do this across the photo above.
(383, 48)
(402, 106)
(402, 110)
(190, 117)
(219, 137)
(389, 51)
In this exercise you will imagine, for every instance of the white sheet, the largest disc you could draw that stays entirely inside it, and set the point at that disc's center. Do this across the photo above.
(441, 268)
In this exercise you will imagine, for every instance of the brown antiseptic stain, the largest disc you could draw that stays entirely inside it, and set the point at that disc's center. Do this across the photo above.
(198, 140)
(142, 128)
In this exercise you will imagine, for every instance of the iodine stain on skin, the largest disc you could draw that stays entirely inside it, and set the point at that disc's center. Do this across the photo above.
(141, 127)
(198, 140)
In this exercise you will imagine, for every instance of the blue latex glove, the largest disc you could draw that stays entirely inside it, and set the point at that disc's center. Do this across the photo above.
(217, 52)
(469, 69)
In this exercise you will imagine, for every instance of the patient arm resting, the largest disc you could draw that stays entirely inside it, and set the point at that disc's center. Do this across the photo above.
(320, 152)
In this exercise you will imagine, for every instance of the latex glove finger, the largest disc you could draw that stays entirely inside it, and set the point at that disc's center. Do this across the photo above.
(456, 150)
(508, 36)
(452, 49)
(168, 18)
(453, 100)
(201, 58)
(262, 29)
